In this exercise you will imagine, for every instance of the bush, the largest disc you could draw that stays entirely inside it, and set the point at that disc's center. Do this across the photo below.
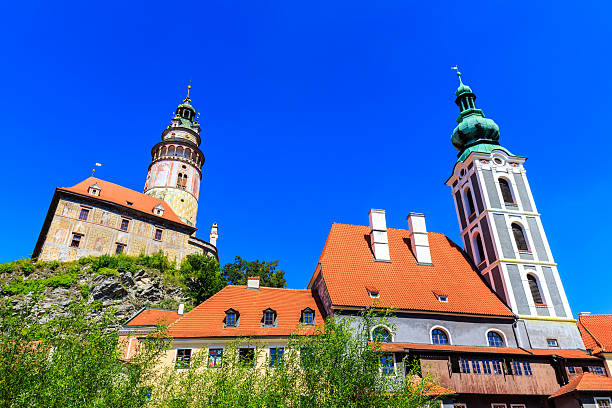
(108, 272)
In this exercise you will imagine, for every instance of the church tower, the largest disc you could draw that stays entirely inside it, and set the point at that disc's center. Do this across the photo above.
(502, 231)
(175, 170)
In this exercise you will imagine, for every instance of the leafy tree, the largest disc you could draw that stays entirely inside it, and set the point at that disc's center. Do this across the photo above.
(338, 367)
(237, 272)
(70, 362)
(201, 275)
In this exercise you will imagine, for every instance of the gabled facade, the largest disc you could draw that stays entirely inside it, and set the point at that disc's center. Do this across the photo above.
(596, 331)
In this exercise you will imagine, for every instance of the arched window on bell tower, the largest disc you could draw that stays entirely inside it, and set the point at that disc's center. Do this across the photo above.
(480, 253)
(506, 191)
(519, 237)
(469, 199)
(534, 287)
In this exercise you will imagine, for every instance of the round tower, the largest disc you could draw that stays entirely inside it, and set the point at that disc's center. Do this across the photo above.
(175, 170)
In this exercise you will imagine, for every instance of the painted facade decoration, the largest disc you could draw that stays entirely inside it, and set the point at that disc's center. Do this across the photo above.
(175, 170)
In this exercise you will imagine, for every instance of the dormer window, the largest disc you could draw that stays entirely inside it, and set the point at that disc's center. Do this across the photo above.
(158, 210)
(231, 318)
(308, 317)
(373, 292)
(442, 298)
(269, 318)
(129, 203)
(94, 190)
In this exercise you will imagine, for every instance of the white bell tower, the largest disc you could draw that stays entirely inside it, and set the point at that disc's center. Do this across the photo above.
(502, 232)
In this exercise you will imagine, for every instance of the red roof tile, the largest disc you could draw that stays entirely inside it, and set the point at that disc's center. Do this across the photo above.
(596, 331)
(585, 382)
(119, 195)
(150, 317)
(569, 354)
(402, 283)
(206, 320)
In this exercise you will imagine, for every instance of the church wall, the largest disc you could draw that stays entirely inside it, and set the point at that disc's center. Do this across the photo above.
(101, 233)
(566, 333)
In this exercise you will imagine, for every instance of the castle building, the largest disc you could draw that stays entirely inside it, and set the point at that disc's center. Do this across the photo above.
(96, 217)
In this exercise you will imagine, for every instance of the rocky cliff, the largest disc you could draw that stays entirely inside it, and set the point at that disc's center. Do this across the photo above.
(120, 284)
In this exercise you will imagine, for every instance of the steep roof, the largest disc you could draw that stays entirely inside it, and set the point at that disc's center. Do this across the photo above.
(206, 320)
(119, 195)
(596, 331)
(348, 267)
(152, 316)
(585, 382)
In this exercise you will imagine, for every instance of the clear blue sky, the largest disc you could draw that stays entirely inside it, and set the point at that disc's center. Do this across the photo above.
(312, 113)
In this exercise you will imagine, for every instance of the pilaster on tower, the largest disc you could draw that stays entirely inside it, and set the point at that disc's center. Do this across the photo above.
(501, 228)
(175, 171)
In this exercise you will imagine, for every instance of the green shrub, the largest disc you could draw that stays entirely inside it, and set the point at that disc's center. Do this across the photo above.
(53, 265)
(108, 272)
(85, 290)
(8, 267)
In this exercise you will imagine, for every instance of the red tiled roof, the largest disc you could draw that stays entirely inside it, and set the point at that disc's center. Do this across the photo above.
(150, 317)
(206, 320)
(348, 268)
(585, 382)
(570, 354)
(396, 347)
(596, 331)
(119, 195)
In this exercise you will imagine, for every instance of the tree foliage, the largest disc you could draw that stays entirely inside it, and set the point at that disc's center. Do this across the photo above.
(237, 272)
(70, 362)
(338, 367)
(201, 275)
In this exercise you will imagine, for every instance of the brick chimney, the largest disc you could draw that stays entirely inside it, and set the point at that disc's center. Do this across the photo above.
(378, 235)
(181, 309)
(419, 241)
(253, 282)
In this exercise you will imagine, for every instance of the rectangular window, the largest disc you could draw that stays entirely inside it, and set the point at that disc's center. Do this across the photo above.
(552, 342)
(308, 318)
(497, 367)
(76, 240)
(516, 368)
(215, 357)
(571, 369)
(124, 224)
(603, 402)
(486, 367)
(83, 214)
(183, 358)
(498, 405)
(476, 367)
(596, 370)
(527, 368)
(120, 248)
(246, 357)
(387, 364)
(517, 405)
(465, 365)
(276, 356)
(158, 234)
(230, 319)
(269, 319)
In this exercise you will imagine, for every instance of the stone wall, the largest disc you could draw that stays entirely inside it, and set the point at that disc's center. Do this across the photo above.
(101, 234)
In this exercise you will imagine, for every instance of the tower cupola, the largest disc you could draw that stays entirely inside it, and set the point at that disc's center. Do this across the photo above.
(474, 132)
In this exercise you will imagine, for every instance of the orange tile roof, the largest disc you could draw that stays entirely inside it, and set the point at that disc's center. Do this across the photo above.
(596, 331)
(396, 347)
(569, 354)
(119, 195)
(588, 382)
(148, 317)
(206, 320)
(348, 267)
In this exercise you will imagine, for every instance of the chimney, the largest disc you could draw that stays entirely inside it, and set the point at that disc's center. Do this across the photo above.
(253, 282)
(584, 313)
(378, 235)
(419, 241)
(181, 309)
(214, 234)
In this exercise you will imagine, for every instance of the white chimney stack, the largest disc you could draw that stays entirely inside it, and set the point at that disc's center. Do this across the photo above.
(378, 235)
(253, 282)
(419, 241)
(214, 234)
(181, 309)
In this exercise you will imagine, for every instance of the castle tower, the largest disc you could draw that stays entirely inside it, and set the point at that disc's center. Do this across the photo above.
(502, 231)
(175, 170)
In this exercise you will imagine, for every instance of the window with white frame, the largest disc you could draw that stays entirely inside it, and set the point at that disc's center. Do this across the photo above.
(183, 358)
(387, 364)
(215, 357)
(276, 356)
(495, 339)
(439, 336)
(603, 402)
